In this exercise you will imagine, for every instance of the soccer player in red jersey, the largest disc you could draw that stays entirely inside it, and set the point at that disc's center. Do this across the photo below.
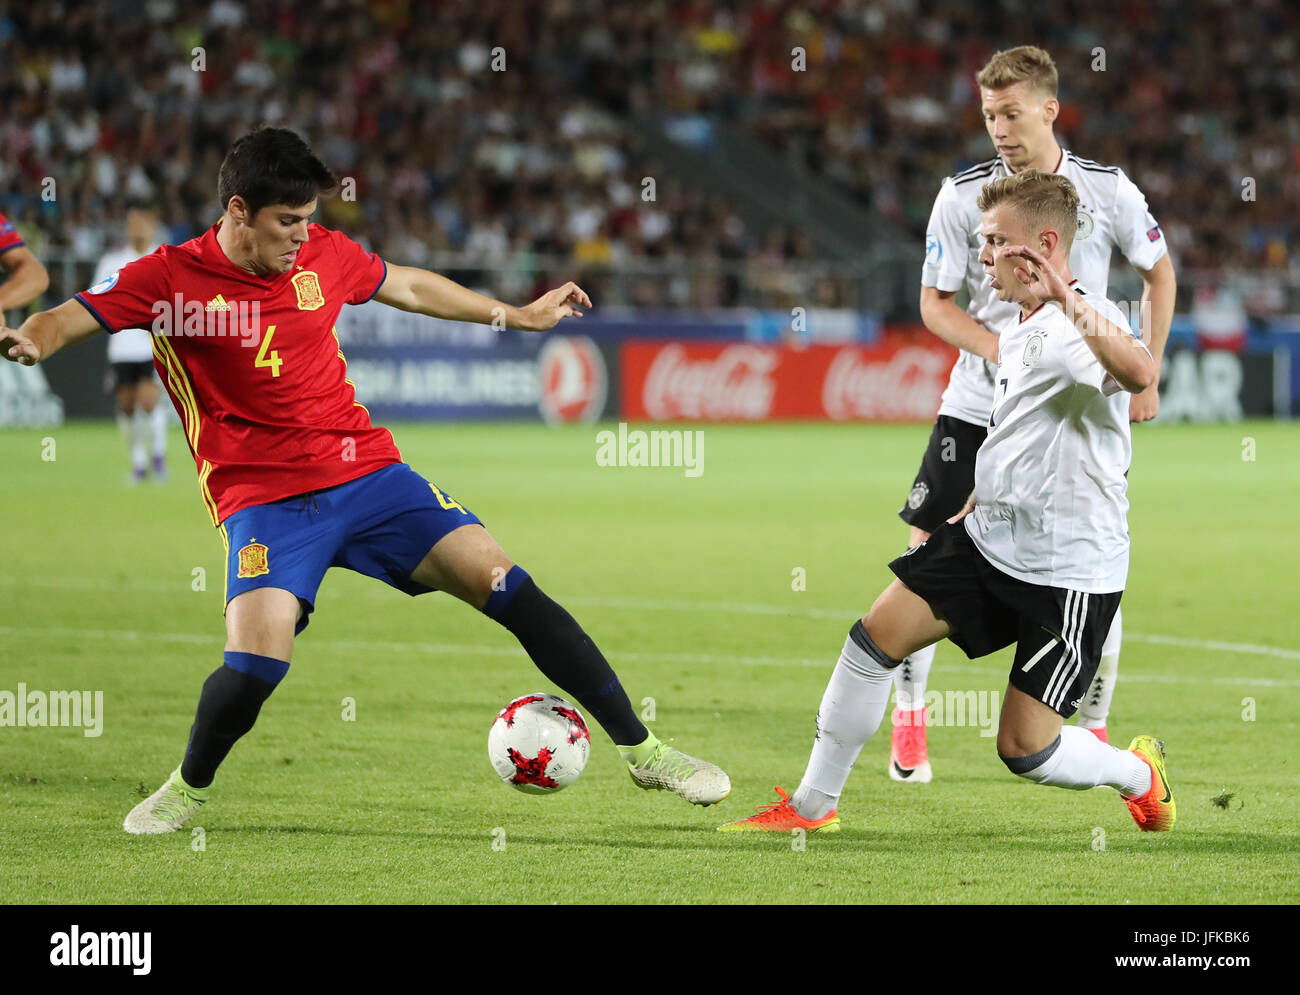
(290, 468)
(26, 279)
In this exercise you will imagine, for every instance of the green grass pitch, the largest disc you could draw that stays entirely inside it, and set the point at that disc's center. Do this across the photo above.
(688, 586)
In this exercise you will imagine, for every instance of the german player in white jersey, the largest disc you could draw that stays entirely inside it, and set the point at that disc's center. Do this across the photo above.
(1018, 90)
(130, 357)
(1038, 556)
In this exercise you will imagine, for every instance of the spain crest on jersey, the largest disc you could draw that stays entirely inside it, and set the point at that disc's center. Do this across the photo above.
(252, 560)
(307, 286)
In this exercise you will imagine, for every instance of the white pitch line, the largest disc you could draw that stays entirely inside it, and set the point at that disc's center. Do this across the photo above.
(669, 605)
(1251, 649)
(470, 649)
(1210, 644)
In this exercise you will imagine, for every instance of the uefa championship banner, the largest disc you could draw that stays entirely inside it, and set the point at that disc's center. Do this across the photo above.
(900, 379)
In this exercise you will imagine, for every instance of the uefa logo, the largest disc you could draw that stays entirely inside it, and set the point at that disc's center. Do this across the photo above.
(572, 380)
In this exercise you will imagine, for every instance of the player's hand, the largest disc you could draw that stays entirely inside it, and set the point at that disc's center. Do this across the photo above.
(17, 347)
(1030, 269)
(1145, 406)
(969, 507)
(546, 312)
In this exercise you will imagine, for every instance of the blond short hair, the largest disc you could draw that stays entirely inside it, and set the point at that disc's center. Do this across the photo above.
(1026, 64)
(1041, 199)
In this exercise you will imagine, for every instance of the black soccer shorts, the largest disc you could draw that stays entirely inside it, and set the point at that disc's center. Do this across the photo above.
(130, 374)
(1058, 632)
(947, 474)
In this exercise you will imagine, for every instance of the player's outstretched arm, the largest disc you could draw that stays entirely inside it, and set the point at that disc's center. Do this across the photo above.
(410, 289)
(942, 316)
(25, 281)
(44, 334)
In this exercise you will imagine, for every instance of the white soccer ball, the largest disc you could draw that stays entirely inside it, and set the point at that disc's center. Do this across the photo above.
(539, 743)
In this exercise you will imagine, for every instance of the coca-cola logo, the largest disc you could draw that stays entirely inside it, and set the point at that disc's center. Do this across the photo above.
(572, 380)
(905, 387)
(736, 384)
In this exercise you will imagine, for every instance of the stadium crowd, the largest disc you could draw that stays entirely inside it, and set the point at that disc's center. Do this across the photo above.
(1197, 104)
(503, 131)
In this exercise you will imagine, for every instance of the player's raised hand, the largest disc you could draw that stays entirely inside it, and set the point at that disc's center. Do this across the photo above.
(1032, 271)
(17, 347)
(562, 302)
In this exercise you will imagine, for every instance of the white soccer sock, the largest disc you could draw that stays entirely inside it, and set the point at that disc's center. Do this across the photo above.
(138, 456)
(1081, 760)
(1096, 703)
(910, 678)
(158, 421)
(851, 711)
(126, 424)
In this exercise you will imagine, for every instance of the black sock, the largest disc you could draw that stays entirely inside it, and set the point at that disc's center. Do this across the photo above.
(568, 658)
(227, 709)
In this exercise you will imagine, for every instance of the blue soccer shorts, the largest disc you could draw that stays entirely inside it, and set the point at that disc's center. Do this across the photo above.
(380, 525)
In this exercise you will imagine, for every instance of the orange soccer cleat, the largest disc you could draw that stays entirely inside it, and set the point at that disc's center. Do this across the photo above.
(780, 817)
(1153, 811)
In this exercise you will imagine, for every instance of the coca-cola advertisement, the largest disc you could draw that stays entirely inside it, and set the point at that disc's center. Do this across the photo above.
(898, 380)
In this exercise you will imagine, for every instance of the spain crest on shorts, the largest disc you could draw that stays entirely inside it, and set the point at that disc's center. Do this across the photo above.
(252, 560)
(307, 286)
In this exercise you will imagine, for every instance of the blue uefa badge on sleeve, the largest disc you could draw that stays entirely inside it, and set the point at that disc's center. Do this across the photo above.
(105, 284)
(1153, 234)
(933, 250)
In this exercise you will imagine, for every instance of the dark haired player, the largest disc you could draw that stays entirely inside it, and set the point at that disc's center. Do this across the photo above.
(293, 473)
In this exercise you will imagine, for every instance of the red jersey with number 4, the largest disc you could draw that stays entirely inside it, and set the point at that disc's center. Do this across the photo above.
(253, 364)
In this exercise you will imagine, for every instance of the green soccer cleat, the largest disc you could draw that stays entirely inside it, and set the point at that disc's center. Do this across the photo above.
(167, 809)
(668, 769)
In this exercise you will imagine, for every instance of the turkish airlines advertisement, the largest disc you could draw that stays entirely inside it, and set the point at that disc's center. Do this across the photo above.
(899, 380)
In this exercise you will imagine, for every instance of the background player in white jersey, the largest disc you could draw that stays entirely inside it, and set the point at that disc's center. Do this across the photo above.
(1038, 556)
(1018, 98)
(130, 357)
